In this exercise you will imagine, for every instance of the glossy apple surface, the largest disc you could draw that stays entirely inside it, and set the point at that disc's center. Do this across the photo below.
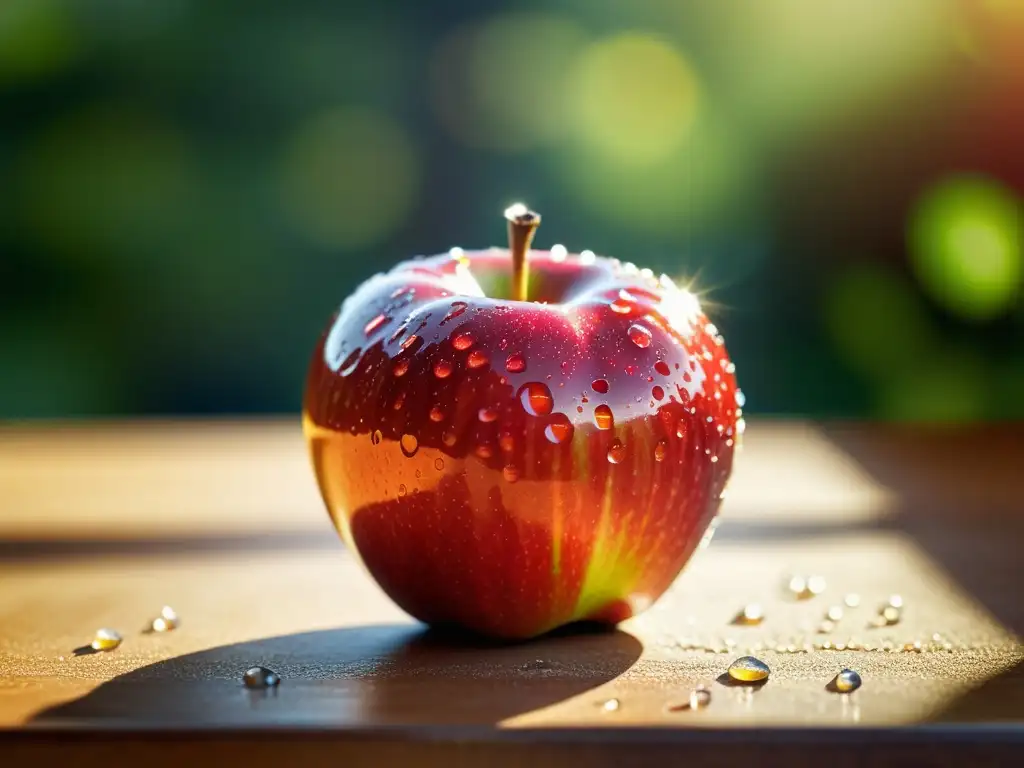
(510, 467)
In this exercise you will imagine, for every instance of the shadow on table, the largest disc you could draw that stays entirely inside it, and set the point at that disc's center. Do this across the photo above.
(371, 675)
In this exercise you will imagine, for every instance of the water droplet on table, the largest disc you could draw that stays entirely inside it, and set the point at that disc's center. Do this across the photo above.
(846, 681)
(260, 678)
(748, 669)
(106, 639)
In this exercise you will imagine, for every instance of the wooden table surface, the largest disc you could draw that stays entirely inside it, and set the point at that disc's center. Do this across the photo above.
(102, 524)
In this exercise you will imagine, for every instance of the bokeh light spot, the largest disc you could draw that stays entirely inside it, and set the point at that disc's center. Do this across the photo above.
(107, 182)
(966, 239)
(948, 388)
(877, 321)
(350, 177)
(635, 98)
(707, 181)
(501, 84)
(36, 38)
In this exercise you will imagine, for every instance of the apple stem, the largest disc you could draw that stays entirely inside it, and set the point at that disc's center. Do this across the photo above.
(522, 224)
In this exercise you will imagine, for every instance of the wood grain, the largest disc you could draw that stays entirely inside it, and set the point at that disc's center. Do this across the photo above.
(101, 525)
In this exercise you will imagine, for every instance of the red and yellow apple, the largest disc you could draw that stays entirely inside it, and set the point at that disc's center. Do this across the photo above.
(511, 466)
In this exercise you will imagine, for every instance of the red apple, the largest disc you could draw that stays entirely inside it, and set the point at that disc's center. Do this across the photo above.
(512, 466)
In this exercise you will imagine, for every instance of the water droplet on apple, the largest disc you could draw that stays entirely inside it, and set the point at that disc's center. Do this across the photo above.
(660, 450)
(681, 428)
(402, 490)
(600, 386)
(511, 473)
(374, 324)
(397, 334)
(560, 429)
(506, 442)
(741, 426)
(536, 398)
(462, 341)
(449, 439)
(413, 338)
(741, 399)
(484, 451)
(399, 401)
(439, 464)
(603, 417)
(376, 437)
(662, 367)
(401, 367)
(630, 370)
(617, 452)
(436, 414)
(658, 393)
(487, 415)
(640, 336)
(409, 444)
(515, 363)
(458, 307)
(476, 359)
(350, 363)
(400, 292)
(621, 307)
(442, 369)
(259, 678)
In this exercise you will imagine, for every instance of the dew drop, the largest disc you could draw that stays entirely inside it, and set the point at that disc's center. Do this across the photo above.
(600, 386)
(105, 639)
(449, 439)
(506, 442)
(515, 363)
(640, 336)
(439, 464)
(462, 341)
(662, 367)
(741, 399)
(443, 369)
(660, 450)
(658, 393)
(258, 678)
(621, 307)
(376, 437)
(476, 359)
(484, 451)
(681, 428)
(579, 409)
(402, 490)
(630, 370)
(413, 338)
(748, 669)
(487, 415)
(560, 430)
(436, 414)
(399, 401)
(536, 398)
(511, 473)
(603, 417)
(401, 367)
(374, 324)
(616, 453)
(846, 681)
(409, 444)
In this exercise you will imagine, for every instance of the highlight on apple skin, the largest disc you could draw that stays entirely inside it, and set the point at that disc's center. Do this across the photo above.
(507, 466)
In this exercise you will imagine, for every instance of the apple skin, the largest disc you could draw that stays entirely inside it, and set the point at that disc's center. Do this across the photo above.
(509, 467)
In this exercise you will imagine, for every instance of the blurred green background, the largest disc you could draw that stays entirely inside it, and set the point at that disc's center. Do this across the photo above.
(188, 188)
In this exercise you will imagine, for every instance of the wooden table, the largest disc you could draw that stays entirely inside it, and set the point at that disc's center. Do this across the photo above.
(102, 524)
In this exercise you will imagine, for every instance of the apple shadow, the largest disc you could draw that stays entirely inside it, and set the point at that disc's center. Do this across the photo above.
(392, 674)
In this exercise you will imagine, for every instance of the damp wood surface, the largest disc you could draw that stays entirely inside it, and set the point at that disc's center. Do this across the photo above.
(103, 524)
